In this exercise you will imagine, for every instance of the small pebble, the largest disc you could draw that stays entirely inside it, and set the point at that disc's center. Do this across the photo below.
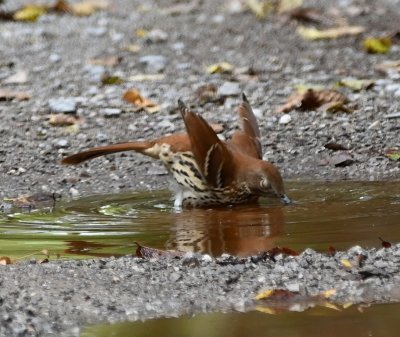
(62, 105)
(111, 112)
(153, 63)
(229, 89)
(285, 119)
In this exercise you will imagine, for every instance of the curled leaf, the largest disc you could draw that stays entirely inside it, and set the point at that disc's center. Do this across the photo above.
(133, 96)
(313, 99)
(332, 33)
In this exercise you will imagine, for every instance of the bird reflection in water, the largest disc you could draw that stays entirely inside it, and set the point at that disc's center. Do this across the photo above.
(241, 231)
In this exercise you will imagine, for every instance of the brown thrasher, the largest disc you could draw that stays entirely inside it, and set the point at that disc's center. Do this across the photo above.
(207, 170)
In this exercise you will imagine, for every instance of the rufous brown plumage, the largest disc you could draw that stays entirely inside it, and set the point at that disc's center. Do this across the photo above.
(207, 170)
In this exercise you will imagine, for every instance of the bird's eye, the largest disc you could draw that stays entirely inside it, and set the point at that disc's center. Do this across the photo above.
(264, 184)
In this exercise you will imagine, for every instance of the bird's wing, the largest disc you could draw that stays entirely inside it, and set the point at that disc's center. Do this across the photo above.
(247, 140)
(214, 159)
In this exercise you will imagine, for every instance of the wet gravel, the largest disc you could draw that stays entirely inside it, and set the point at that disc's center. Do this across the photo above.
(58, 298)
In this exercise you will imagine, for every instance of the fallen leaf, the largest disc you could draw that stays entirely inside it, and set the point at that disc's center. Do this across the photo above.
(377, 45)
(260, 8)
(46, 260)
(142, 33)
(109, 61)
(108, 79)
(288, 5)
(220, 68)
(306, 14)
(133, 96)
(19, 77)
(7, 95)
(385, 244)
(331, 251)
(276, 294)
(153, 253)
(88, 7)
(313, 99)
(4, 260)
(393, 154)
(29, 13)
(206, 93)
(389, 66)
(335, 147)
(355, 84)
(45, 252)
(346, 263)
(31, 201)
(63, 120)
(332, 33)
(133, 48)
(181, 8)
(328, 293)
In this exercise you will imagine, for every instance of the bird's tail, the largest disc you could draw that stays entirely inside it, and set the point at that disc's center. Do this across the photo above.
(95, 152)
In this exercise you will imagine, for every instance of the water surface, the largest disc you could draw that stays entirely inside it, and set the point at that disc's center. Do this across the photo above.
(324, 214)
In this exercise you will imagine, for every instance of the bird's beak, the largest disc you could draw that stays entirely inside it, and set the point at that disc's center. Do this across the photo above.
(285, 199)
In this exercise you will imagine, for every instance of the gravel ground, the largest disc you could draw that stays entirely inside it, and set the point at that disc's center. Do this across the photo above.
(61, 297)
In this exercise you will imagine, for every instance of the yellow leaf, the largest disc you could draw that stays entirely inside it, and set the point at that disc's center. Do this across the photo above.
(329, 293)
(260, 8)
(304, 87)
(29, 13)
(377, 45)
(133, 48)
(142, 33)
(220, 68)
(288, 5)
(330, 306)
(266, 310)
(332, 33)
(346, 263)
(264, 294)
(355, 84)
(347, 305)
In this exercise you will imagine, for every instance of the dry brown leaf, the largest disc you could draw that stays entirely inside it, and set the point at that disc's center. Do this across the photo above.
(7, 95)
(334, 146)
(206, 93)
(153, 253)
(306, 14)
(63, 120)
(133, 96)
(312, 99)
(4, 260)
(385, 244)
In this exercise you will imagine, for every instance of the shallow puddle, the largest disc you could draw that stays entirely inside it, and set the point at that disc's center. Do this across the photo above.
(324, 214)
(378, 320)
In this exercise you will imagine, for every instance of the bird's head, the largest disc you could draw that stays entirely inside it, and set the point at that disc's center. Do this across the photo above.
(268, 182)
